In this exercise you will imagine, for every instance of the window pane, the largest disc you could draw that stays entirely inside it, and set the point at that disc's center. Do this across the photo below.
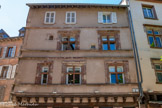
(112, 47)
(45, 69)
(108, 19)
(104, 46)
(157, 67)
(145, 12)
(44, 80)
(159, 77)
(104, 18)
(120, 78)
(68, 15)
(112, 69)
(72, 19)
(48, 14)
(70, 79)
(70, 69)
(52, 20)
(149, 32)
(113, 78)
(150, 13)
(65, 46)
(52, 14)
(73, 14)
(120, 69)
(72, 39)
(72, 47)
(4, 72)
(77, 79)
(156, 32)
(65, 39)
(47, 20)
(77, 70)
(151, 41)
(158, 40)
(111, 38)
(68, 20)
(104, 38)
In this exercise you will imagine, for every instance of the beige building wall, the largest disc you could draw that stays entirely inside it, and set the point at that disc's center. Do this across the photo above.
(145, 52)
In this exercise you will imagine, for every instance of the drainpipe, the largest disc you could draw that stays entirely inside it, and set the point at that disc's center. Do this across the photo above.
(136, 55)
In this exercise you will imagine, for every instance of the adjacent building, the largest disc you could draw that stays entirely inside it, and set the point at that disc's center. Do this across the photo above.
(147, 21)
(75, 56)
(9, 53)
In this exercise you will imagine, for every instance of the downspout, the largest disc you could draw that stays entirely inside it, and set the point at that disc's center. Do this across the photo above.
(136, 55)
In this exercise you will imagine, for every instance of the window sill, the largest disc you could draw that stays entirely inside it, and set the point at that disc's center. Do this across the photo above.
(70, 23)
(151, 18)
(49, 23)
(156, 47)
(158, 82)
(107, 23)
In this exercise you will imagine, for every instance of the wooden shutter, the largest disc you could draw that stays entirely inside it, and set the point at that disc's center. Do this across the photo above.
(9, 71)
(13, 71)
(126, 70)
(59, 45)
(99, 43)
(4, 52)
(1, 70)
(83, 74)
(38, 73)
(100, 17)
(0, 51)
(77, 44)
(2, 90)
(114, 17)
(63, 77)
(117, 39)
(13, 52)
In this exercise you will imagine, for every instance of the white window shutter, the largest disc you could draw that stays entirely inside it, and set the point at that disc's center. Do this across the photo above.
(1, 70)
(114, 17)
(9, 71)
(100, 17)
(13, 52)
(4, 52)
(13, 71)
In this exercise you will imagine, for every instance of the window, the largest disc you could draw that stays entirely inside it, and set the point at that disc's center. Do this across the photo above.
(116, 74)
(4, 72)
(70, 17)
(49, 18)
(108, 43)
(2, 91)
(149, 12)
(154, 39)
(44, 76)
(158, 70)
(9, 52)
(73, 75)
(68, 43)
(50, 37)
(93, 46)
(107, 17)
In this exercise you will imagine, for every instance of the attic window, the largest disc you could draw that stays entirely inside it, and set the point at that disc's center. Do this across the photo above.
(50, 37)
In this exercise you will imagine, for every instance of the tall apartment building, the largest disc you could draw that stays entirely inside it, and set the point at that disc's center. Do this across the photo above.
(75, 56)
(147, 21)
(9, 53)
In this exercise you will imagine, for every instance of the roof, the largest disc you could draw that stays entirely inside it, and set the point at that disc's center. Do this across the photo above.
(11, 39)
(4, 34)
(22, 29)
(72, 5)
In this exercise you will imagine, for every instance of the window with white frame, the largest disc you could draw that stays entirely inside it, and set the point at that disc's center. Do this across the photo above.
(73, 75)
(107, 17)
(70, 17)
(49, 17)
(44, 76)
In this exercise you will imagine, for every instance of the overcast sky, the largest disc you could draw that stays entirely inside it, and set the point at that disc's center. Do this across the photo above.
(13, 13)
